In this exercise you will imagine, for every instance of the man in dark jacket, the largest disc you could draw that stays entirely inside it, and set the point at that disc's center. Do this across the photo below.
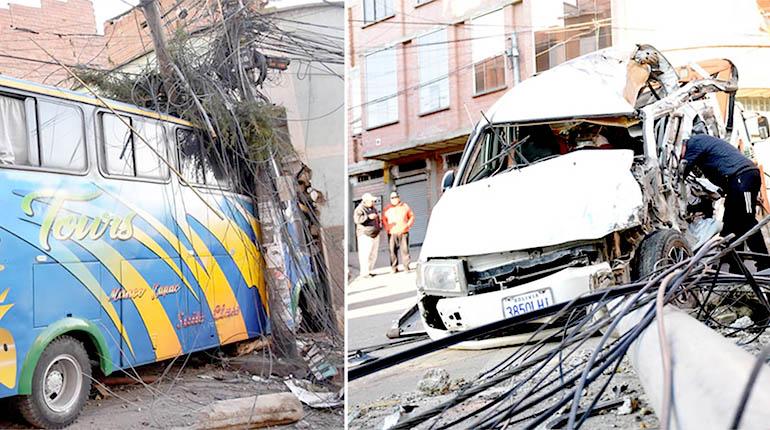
(725, 166)
(368, 227)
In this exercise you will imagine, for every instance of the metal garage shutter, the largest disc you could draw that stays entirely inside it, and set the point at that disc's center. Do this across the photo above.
(414, 192)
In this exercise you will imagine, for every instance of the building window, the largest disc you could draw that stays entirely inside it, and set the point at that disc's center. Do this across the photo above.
(375, 10)
(452, 161)
(433, 61)
(588, 44)
(381, 88)
(412, 166)
(489, 74)
(759, 104)
(368, 176)
(488, 49)
(354, 77)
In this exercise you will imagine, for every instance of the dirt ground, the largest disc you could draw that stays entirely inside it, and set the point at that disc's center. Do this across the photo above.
(178, 390)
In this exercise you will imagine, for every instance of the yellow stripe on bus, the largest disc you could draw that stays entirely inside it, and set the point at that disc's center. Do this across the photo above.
(155, 247)
(217, 290)
(164, 340)
(249, 217)
(214, 285)
(60, 253)
(244, 252)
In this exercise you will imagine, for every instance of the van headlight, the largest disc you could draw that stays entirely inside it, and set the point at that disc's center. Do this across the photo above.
(442, 278)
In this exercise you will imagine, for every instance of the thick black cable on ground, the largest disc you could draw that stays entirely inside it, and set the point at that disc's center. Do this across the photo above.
(485, 331)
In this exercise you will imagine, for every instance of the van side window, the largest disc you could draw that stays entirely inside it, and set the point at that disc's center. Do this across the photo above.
(60, 132)
(196, 163)
(14, 135)
(126, 154)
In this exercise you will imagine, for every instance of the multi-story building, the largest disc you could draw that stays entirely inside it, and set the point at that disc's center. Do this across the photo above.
(422, 73)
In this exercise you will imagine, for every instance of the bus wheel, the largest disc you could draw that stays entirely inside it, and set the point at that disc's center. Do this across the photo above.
(60, 385)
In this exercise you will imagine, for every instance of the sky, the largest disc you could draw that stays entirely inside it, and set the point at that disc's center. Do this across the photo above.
(106, 9)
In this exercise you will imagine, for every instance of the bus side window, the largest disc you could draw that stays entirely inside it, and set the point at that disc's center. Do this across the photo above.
(214, 173)
(148, 164)
(190, 156)
(196, 163)
(14, 135)
(60, 131)
(118, 147)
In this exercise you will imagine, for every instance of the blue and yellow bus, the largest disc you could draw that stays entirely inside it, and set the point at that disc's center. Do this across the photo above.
(108, 259)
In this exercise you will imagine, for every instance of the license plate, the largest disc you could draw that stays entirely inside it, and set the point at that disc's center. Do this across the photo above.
(528, 302)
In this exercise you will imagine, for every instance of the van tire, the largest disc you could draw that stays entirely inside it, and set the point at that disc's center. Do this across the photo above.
(661, 248)
(64, 367)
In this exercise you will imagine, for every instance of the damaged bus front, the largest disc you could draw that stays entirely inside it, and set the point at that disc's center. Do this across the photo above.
(572, 183)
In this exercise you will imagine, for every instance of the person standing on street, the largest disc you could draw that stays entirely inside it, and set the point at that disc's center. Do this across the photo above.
(368, 227)
(725, 166)
(398, 218)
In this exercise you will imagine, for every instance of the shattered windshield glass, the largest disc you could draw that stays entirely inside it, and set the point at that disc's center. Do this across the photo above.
(500, 148)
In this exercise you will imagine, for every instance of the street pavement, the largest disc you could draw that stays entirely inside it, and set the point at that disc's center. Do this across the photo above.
(372, 306)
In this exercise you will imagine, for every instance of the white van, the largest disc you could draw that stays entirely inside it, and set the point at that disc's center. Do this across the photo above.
(571, 183)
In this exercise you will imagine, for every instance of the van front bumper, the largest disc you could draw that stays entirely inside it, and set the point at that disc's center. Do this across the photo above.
(463, 313)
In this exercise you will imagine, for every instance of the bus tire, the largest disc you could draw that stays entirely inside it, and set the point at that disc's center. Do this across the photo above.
(61, 384)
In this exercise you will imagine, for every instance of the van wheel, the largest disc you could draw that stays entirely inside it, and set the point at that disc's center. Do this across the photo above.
(661, 249)
(60, 385)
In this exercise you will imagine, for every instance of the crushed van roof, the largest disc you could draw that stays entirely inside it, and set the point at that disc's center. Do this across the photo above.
(592, 85)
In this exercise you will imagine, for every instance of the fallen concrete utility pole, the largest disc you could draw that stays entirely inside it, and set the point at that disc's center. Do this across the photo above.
(708, 375)
(251, 412)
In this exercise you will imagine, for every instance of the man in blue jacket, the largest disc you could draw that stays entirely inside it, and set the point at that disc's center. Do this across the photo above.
(725, 166)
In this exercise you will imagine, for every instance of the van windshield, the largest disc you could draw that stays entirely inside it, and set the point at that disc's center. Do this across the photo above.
(500, 148)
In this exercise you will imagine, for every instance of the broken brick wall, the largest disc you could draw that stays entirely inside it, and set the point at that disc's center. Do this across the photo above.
(67, 29)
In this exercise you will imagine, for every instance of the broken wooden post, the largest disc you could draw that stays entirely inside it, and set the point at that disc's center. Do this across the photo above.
(709, 373)
(251, 412)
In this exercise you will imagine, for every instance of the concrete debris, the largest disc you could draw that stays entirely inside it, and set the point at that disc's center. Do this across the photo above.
(247, 347)
(742, 323)
(320, 365)
(434, 382)
(252, 412)
(629, 406)
(391, 420)
(725, 316)
(314, 396)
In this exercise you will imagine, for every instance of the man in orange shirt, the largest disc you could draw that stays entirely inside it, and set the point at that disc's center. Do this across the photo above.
(398, 218)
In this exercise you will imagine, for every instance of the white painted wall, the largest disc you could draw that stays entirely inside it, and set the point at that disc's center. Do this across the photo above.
(313, 97)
